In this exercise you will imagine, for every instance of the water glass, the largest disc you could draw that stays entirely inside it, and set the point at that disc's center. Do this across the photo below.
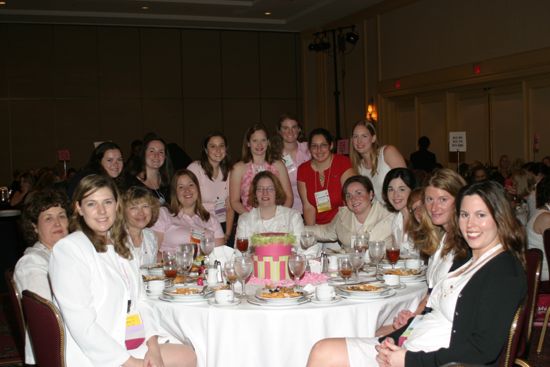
(297, 266)
(230, 273)
(345, 268)
(377, 250)
(361, 242)
(357, 260)
(184, 260)
(243, 269)
(169, 264)
(307, 239)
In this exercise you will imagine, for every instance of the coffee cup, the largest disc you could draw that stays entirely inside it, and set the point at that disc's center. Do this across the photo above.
(391, 279)
(224, 296)
(333, 263)
(154, 287)
(413, 263)
(324, 292)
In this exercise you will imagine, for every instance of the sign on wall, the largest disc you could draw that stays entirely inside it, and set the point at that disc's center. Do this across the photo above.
(457, 141)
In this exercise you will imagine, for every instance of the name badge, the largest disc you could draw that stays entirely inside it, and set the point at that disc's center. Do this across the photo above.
(322, 199)
(403, 338)
(220, 210)
(289, 163)
(135, 331)
(197, 235)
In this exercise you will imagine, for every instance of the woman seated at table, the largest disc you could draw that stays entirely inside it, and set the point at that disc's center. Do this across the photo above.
(396, 189)
(45, 221)
(471, 309)
(141, 210)
(106, 159)
(257, 156)
(185, 220)
(362, 214)
(99, 291)
(268, 213)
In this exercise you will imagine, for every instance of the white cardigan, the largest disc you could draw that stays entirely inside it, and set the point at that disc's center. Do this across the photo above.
(92, 290)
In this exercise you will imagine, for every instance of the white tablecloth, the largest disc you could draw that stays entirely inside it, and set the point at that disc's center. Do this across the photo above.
(248, 335)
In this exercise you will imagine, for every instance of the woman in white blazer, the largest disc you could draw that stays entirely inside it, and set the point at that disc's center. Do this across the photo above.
(362, 214)
(98, 291)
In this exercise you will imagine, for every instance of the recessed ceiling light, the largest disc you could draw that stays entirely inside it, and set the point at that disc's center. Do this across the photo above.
(267, 13)
(144, 8)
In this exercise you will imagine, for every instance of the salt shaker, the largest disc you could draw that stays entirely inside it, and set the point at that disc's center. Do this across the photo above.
(212, 276)
(219, 275)
(324, 263)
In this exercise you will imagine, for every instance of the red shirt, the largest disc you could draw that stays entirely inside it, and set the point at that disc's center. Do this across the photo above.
(307, 175)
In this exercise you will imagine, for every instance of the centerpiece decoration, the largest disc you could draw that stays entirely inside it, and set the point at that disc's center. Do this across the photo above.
(271, 252)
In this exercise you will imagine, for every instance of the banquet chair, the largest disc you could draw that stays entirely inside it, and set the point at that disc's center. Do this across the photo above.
(546, 240)
(46, 330)
(18, 330)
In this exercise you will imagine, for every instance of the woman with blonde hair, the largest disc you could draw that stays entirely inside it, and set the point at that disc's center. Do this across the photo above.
(370, 159)
(99, 291)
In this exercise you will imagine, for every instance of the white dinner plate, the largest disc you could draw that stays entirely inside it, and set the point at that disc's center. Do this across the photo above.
(418, 279)
(388, 293)
(169, 292)
(382, 287)
(258, 302)
(287, 300)
(163, 297)
(212, 302)
(341, 281)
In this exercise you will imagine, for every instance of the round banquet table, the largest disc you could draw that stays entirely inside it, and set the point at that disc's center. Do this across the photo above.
(249, 335)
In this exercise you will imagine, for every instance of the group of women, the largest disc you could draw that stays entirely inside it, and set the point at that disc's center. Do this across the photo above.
(469, 234)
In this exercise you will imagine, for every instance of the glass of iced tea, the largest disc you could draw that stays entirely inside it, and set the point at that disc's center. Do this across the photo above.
(242, 244)
(392, 254)
(169, 264)
(230, 274)
(345, 269)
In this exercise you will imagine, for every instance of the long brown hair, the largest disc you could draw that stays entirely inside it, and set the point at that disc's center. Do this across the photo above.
(175, 205)
(86, 187)
(246, 155)
(372, 156)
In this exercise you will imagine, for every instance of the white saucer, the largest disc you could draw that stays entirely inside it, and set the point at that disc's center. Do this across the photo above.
(399, 286)
(334, 299)
(212, 302)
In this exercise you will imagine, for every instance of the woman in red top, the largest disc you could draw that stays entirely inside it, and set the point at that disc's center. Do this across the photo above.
(320, 180)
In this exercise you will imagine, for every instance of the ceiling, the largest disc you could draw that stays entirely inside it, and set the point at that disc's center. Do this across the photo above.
(285, 15)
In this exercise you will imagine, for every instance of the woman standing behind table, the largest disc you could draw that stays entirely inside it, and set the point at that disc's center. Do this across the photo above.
(471, 310)
(45, 221)
(539, 222)
(212, 171)
(370, 159)
(267, 214)
(141, 210)
(185, 220)
(99, 291)
(320, 180)
(396, 190)
(295, 152)
(105, 159)
(154, 170)
(361, 214)
(257, 156)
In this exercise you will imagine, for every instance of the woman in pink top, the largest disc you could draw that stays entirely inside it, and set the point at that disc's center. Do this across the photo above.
(294, 152)
(256, 157)
(185, 220)
(212, 171)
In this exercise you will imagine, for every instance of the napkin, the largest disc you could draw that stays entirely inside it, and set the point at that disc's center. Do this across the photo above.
(222, 254)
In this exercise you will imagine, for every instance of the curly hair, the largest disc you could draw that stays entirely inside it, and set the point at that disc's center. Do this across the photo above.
(280, 195)
(38, 202)
(86, 187)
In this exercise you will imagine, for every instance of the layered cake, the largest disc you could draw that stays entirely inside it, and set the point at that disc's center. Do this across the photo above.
(271, 252)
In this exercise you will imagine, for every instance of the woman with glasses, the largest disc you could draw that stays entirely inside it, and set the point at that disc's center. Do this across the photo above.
(320, 180)
(268, 214)
(361, 215)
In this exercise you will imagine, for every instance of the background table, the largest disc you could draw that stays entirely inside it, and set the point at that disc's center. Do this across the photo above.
(248, 335)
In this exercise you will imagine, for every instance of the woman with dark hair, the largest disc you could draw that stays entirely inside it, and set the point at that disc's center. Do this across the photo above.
(106, 159)
(99, 291)
(398, 184)
(141, 210)
(294, 152)
(155, 168)
(539, 222)
(268, 213)
(471, 309)
(26, 183)
(371, 159)
(212, 171)
(320, 180)
(45, 221)
(361, 214)
(257, 156)
(185, 220)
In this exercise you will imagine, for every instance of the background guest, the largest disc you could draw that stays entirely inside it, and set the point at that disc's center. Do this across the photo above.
(25, 186)
(423, 159)
(539, 222)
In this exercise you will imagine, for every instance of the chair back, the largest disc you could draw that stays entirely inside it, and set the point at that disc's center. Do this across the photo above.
(533, 259)
(546, 242)
(508, 355)
(46, 330)
(18, 330)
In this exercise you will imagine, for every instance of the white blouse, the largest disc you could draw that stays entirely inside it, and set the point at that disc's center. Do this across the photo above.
(406, 244)
(438, 266)
(146, 253)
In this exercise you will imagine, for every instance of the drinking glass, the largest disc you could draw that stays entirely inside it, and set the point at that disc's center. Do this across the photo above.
(307, 239)
(392, 253)
(184, 260)
(169, 264)
(230, 274)
(207, 246)
(297, 266)
(377, 250)
(361, 242)
(357, 260)
(243, 269)
(345, 268)
(242, 244)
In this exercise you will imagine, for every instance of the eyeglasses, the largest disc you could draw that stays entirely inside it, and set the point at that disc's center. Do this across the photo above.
(323, 146)
(268, 189)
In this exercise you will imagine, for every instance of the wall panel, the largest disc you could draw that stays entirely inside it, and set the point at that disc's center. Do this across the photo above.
(238, 116)
(539, 115)
(405, 124)
(278, 63)
(432, 123)
(201, 117)
(472, 117)
(4, 90)
(507, 116)
(201, 63)
(165, 117)
(6, 151)
(240, 68)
